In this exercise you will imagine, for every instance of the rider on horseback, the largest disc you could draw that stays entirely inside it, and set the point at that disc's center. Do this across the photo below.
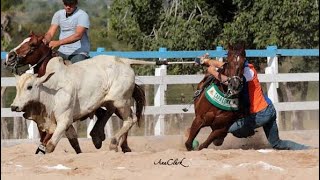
(261, 110)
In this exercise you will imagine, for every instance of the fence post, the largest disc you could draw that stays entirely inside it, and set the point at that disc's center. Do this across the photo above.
(91, 122)
(159, 97)
(272, 68)
(33, 131)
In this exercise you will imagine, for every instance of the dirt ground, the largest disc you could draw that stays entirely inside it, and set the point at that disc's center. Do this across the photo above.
(164, 157)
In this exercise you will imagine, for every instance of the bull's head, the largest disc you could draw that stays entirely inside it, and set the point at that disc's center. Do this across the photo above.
(28, 90)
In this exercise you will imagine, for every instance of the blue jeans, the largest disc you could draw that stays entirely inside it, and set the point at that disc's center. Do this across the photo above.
(266, 118)
(73, 57)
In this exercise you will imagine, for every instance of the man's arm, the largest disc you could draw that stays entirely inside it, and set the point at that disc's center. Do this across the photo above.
(50, 33)
(73, 38)
(210, 62)
(215, 63)
(212, 65)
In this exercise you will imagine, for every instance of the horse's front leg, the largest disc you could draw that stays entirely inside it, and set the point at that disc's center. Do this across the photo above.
(215, 135)
(97, 132)
(41, 148)
(217, 141)
(194, 130)
(44, 138)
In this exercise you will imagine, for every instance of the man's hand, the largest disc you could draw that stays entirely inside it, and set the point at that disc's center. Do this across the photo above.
(45, 41)
(54, 44)
(204, 58)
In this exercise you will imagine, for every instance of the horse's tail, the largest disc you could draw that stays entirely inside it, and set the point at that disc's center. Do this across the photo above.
(140, 98)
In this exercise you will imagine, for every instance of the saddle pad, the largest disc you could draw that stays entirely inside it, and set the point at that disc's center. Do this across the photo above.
(216, 97)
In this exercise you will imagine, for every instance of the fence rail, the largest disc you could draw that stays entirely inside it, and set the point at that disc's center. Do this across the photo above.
(161, 80)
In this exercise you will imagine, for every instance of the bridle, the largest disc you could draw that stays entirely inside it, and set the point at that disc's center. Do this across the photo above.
(235, 83)
(16, 64)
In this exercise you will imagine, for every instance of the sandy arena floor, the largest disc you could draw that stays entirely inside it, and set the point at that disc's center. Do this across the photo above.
(236, 159)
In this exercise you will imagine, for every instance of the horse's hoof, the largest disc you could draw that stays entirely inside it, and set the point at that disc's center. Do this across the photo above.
(113, 145)
(218, 142)
(102, 136)
(188, 146)
(50, 147)
(97, 139)
(96, 142)
(41, 149)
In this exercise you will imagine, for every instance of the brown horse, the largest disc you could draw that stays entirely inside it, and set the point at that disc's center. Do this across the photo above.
(207, 114)
(34, 52)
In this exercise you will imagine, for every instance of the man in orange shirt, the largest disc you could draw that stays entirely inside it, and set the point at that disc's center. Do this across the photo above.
(262, 112)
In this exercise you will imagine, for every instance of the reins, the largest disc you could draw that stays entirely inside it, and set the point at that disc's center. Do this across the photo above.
(41, 60)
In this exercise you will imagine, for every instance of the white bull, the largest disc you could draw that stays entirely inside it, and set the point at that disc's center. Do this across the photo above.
(72, 92)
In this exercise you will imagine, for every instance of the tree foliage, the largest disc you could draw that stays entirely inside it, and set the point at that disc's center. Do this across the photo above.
(287, 24)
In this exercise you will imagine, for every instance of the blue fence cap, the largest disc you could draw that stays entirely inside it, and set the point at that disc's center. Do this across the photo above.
(162, 49)
(219, 48)
(272, 47)
(101, 49)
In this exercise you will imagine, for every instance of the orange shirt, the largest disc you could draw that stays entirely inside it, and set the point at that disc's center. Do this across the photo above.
(256, 96)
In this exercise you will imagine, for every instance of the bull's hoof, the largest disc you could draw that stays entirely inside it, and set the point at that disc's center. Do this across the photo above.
(113, 145)
(41, 149)
(50, 147)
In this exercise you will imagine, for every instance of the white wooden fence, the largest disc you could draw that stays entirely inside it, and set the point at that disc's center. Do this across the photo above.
(161, 80)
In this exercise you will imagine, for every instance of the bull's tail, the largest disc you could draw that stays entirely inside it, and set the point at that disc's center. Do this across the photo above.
(157, 62)
(140, 98)
(138, 62)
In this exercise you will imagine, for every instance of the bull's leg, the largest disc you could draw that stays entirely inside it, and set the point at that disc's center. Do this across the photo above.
(194, 130)
(73, 138)
(129, 120)
(124, 144)
(63, 122)
(97, 132)
(216, 134)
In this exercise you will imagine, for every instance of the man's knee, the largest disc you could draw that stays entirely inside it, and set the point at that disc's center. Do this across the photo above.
(78, 57)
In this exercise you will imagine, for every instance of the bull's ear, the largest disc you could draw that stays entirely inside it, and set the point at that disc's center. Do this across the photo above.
(17, 77)
(44, 78)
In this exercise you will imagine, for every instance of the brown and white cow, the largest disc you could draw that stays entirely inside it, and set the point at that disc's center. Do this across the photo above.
(72, 92)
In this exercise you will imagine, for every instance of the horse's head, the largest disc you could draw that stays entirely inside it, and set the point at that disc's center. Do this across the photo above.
(30, 51)
(235, 62)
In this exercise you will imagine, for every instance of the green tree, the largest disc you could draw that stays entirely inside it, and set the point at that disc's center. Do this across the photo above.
(176, 24)
(287, 24)
(6, 5)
